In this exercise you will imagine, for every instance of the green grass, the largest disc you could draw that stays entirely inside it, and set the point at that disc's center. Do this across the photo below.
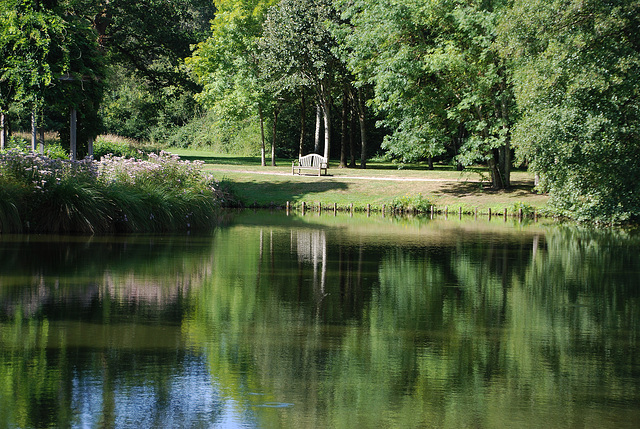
(380, 184)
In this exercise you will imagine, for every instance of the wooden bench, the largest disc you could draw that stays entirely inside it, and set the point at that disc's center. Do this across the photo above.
(312, 161)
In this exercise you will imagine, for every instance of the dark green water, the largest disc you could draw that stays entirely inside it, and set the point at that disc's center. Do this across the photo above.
(323, 322)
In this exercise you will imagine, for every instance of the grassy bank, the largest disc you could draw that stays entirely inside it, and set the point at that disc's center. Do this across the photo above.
(382, 183)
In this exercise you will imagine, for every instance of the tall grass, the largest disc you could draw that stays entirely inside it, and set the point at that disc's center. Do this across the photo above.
(115, 194)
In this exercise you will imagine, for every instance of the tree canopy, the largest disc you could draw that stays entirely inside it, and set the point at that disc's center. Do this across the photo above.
(550, 85)
(576, 80)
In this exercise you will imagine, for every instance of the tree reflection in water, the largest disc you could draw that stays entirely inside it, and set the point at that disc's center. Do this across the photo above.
(281, 321)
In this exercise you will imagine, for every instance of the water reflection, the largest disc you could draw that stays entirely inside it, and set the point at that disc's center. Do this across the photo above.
(323, 321)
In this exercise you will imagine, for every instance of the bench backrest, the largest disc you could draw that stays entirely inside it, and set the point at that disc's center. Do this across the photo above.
(312, 160)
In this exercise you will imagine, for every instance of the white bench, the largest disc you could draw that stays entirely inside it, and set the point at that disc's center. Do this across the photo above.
(312, 161)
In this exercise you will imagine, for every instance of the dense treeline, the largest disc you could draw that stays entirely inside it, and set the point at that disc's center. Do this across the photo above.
(548, 84)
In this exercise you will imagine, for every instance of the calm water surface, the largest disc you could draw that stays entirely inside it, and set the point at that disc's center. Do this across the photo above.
(277, 321)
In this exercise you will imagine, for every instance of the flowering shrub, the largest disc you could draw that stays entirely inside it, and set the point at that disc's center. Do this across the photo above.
(164, 170)
(115, 194)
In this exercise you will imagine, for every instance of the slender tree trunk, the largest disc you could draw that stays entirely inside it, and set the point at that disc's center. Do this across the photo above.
(326, 108)
(273, 138)
(458, 144)
(3, 132)
(262, 149)
(430, 163)
(41, 139)
(507, 143)
(343, 130)
(318, 128)
(73, 122)
(303, 114)
(352, 138)
(494, 165)
(34, 128)
(325, 99)
(363, 130)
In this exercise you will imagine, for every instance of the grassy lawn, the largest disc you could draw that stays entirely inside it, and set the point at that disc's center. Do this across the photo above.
(379, 184)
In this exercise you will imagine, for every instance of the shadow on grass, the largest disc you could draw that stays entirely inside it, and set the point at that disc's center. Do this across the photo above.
(224, 160)
(264, 194)
(461, 189)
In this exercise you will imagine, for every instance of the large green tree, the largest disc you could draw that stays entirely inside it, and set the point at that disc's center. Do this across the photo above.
(150, 92)
(298, 50)
(577, 84)
(437, 77)
(50, 63)
(27, 34)
(226, 64)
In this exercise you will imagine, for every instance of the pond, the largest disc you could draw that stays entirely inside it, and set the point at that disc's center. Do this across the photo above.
(276, 321)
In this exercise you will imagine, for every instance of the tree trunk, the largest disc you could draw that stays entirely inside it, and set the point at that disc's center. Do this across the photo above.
(34, 127)
(352, 138)
(303, 114)
(318, 128)
(3, 132)
(273, 137)
(363, 130)
(262, 149)
(326, 110)
(497, 178)
(73, 128)
(343, 130)
(506, 167)
(41, 139)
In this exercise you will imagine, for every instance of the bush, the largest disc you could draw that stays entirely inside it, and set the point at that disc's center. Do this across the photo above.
(113, 145)
(411, 203)
(221, 136)
(55, 151)
(527, 210)
(12, 197)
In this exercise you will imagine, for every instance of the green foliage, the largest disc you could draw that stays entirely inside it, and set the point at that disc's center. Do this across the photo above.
(113, 145)
(209, 131)
(416, 203)
(437, 78)
(576, 82)
(27, 33)
(527, 209)
(55, 151)
(51, 63)
(137, 109)
(13, 196)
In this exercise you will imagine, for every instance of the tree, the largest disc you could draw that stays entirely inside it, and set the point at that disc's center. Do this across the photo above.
(50, 63)
(297, 51)
(433, 66)
(27, 33)
(226, 64)
(576, 78)
(150, 92)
